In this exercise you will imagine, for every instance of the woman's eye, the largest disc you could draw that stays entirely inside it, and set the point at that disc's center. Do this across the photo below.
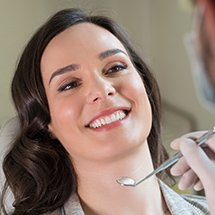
(69, 86)
(116, 68)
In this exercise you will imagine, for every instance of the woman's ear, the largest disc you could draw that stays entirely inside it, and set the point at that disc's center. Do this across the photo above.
(51, 132)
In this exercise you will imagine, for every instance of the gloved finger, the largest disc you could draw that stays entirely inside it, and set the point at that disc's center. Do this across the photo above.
(197, 159)
(187, 180)
(198, 185)
(175, 144)
(180, 167)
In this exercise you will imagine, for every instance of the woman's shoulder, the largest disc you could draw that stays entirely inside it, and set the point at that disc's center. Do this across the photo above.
(8, 132)
(196, 200)
(184, 203)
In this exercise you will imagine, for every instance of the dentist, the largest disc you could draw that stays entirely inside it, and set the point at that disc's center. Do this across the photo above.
(197, 166)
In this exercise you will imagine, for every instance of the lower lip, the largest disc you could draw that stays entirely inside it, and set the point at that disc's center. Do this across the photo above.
(110, 126)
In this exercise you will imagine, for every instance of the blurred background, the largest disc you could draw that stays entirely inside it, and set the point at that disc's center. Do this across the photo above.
(157, 27)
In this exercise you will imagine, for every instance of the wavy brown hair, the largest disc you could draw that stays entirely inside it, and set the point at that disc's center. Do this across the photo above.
(38, 169)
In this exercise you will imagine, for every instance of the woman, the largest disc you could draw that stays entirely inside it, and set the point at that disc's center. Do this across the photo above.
(89, 110)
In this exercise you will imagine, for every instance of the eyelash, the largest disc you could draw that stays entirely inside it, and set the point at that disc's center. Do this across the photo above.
(117, 68)
(74, 84)
(69, 86)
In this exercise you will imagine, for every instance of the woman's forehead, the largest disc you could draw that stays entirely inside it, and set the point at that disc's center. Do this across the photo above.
(85, 36)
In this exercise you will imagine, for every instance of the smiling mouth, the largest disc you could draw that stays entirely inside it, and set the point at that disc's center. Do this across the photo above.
(116, 116)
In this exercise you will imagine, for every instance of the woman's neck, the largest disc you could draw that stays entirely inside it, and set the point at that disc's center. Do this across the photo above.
(100, 194)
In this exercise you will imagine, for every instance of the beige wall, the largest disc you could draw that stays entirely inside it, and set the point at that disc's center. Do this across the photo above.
(157, 27)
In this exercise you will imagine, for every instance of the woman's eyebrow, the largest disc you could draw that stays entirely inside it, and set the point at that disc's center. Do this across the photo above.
(63, 70)
(74, 67)
(110, 52)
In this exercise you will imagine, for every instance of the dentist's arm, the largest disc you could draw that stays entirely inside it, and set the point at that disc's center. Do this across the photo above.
(197, 166)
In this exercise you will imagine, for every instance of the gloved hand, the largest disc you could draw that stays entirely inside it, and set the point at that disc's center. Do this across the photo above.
(197, 166)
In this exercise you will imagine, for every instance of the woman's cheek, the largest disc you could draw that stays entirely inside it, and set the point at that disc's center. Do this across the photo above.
(62, 113)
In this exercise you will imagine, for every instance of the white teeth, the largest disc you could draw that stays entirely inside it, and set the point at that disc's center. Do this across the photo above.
(107, 119)
(121, 115)
(102, 121)
(118, 115)
(113, 117)
(98, 123)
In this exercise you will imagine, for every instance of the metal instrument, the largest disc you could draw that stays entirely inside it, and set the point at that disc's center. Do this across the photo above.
(127, 181)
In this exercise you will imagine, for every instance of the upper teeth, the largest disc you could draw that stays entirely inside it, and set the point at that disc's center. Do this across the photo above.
(118, 115)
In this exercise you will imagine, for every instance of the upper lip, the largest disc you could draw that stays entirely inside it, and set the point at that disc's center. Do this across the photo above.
(107, 112)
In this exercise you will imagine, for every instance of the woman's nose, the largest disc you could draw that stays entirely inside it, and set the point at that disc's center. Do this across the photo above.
(99, 89)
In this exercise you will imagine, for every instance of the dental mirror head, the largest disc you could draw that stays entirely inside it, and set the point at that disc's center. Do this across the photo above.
(126, 181)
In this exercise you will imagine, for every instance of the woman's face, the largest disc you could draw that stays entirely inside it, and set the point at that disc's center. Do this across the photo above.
(98, 104)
